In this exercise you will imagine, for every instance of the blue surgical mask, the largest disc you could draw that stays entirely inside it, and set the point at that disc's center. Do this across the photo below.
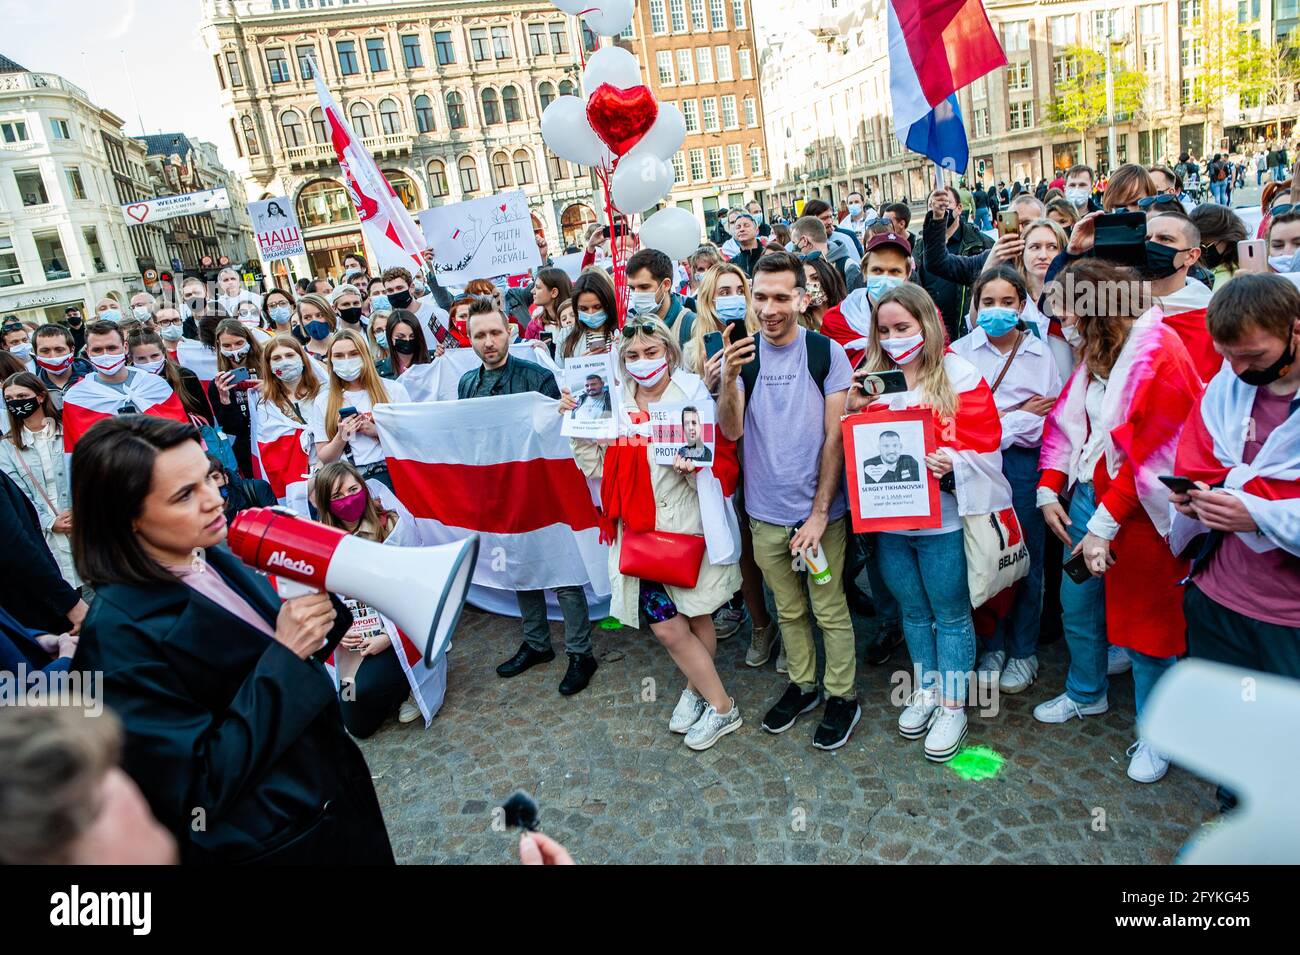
(319, 330)
(997, 321)
(731, 307)
(280, 314)
(592, 319)
(855, 209)
(878, 285)
(642, 303)
(111, 315)
(380, 303)
(381, 340)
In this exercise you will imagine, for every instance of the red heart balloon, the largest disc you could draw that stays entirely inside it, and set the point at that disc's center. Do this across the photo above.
(621, 117)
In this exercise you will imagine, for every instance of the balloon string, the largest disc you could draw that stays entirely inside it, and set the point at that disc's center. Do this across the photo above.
(617, 246)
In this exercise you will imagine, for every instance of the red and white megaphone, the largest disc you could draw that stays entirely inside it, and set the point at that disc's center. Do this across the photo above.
(422, 589)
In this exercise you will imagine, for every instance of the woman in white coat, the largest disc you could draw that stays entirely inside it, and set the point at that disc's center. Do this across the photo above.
(640, 497)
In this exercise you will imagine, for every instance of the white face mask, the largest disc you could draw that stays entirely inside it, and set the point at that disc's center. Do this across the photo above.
(1072, 335)
(289, 369)
(641, 303)
(236, 355)
(171, 333)
(1078, 195)
(349, 369)
(648, 371)
(903, 350)
(1280, 263)
(141, 312)
(108, 364)
(151, 367)
(22, 351)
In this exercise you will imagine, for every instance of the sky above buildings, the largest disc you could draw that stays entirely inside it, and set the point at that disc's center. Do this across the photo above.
(165, 60)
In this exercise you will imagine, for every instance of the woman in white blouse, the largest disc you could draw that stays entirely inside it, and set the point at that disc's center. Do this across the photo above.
(32, 456)
(1018, 366)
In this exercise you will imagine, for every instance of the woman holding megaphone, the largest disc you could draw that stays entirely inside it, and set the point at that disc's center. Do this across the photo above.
(233, 729)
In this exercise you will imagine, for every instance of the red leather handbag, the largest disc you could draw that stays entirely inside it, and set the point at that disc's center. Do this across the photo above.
(662, 557)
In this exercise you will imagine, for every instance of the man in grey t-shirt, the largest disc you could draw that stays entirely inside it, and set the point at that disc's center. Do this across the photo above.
(794, 461)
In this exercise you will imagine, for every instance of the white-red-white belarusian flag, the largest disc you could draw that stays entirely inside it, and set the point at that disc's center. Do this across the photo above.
(1184, 312)
(89, 401)
(198, 358)
(277, 443)
(498, 467)
(389, 229)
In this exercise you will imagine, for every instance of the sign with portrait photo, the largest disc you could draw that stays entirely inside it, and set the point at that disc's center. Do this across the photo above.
(889, 486)
(682, 430)
(590, 379)
(275, 226)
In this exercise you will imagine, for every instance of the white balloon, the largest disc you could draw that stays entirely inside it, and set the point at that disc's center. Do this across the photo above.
(673, 231)
(613, 65)
(638, 183)
(609, 18)
(572, 6)
(665, 137)
(569, 135)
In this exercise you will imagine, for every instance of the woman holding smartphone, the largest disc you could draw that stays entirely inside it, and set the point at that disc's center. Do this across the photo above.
(722, 296)
(238, 358)
(342, 416)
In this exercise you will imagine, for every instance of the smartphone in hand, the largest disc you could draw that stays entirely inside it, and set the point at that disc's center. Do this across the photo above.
(348, 412)
(238, 375)
(1252, 255)
(1008, 223)
(739, 331)
(712, 344)
(883, 383)
(1177, 483)
(1077, 568)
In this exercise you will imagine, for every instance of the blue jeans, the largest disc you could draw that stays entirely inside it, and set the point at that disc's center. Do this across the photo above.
(983, 219)
(1084, 617)
(927, 576)
(1279, 173)
(1017, 633)
(1259, 177)
(1220, 192)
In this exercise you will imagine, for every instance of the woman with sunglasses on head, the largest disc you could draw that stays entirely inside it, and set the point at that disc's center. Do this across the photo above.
(638, 497)
(1221, 229)
(239, 357)
(596, 311)
(347, 302)
(317, 319)
(406, 345)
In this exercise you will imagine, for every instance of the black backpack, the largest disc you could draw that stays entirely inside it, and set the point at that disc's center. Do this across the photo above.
(818, 348)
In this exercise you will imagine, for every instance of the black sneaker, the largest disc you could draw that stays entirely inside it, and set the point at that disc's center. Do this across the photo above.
(837, 723)
(525, 659)
(882, 651)
(576, 678)
(793, 704)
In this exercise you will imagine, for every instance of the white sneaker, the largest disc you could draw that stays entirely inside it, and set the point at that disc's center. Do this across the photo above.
(409, 711)
(914, 722)
(687, 712)
(947, 730)
(1018, 675)
(712, 726)
(989, 669)
(1062, 708)
(1117, 661)
(1146, 765)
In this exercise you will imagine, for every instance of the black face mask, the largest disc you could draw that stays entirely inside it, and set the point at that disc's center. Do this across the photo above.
(352, 315)
(1260, 378)
(400, 299)
(1211, 256)
(21, 408)
(1160, 261)
(403, 346)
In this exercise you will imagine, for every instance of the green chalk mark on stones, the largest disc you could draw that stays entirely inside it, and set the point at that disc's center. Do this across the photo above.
(975, 763)
(610, 623)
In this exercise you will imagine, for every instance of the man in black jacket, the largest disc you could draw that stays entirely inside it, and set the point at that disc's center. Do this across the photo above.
(961, 238)
(31, 586)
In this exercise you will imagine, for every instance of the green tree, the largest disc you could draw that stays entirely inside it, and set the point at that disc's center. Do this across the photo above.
(1227, 56)
(1079, 103)
(1268, 73)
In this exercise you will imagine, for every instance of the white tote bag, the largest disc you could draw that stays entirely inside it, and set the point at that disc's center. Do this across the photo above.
(996, 554)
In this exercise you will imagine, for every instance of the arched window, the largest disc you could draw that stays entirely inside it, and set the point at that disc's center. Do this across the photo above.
(324, 202)
(573, 223)
(500, 170)
(491, 108)
(250, 136)
(510, 104)
(523, 167)
(437, 178)
(362, 125)
(424, 114)
(456, 110)
(557, 167)
(291, 129)
(319, 130)
(567, 88)
(404, 187)
(390, 119)
(468, 175)
(546, 94)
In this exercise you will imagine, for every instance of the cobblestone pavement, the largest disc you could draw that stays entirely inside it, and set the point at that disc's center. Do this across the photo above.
(615, 786)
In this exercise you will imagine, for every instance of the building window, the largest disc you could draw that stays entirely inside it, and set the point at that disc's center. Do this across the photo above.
(221, 77)
(556, 167)
(704, 64)
(1189, 52)
(751, 111)
(691, 116)
(738, 13)
(501, 42)
(510, 104)
(306, 57)
(377, 54)
(31, 187)
(664, 63)
(697, 164)
(729, 112)
(76, 188)
(277, 66)
(468, 175)
(699, 16)
(629, 32)
(523, 164)
(250, 136)
(10, 273)
(537, 39)
(546, 95)
(49, 249)
(723, 56)
(59, 128)
(735, 162)
(411, 54)
(444, 48)
(1065, 30)
(232, 66)
(567, 88)
(291, 130)
(1015, 36)
(424, 114)
(1018, 75)
(710, 108)
(359, 113)
(14, 132)
(500, 171)
(319, 130)
(715, 162)
(390, 117)
(491, 107)
(559, 38)
(478, 45)
(718, 14)
(347, 54)
(685, 67)
(756, 160)
(1021, 116)
(658, 22)
(1189, 12)
(437, 179)
(746, 63)
(677, 9)
(91, 236)
(981, 122)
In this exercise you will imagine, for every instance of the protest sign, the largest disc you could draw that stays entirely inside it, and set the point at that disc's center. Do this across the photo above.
(890, 488)
(275, 226)
(590, 381)
(682, 430)
(169, 207)
(481, 238)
